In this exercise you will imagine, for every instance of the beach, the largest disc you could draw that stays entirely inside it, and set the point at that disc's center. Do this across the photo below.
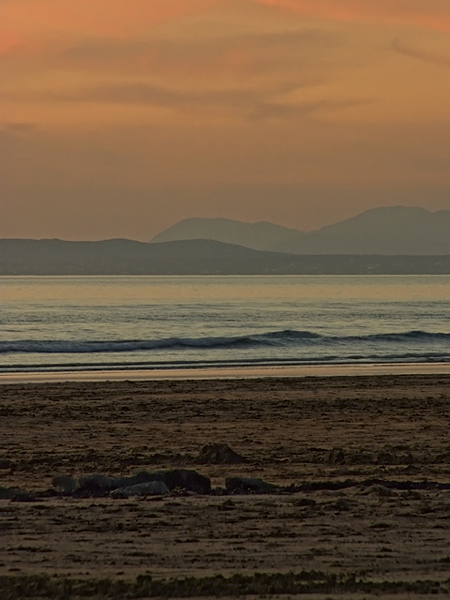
(360, 467)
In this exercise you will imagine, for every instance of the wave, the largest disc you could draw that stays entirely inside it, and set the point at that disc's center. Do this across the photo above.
(276, 338)
(286, 338)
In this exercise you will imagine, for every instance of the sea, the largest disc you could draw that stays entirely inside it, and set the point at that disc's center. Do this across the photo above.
(154, 323)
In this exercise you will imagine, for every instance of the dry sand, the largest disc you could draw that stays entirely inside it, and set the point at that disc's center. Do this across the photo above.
(389, 522)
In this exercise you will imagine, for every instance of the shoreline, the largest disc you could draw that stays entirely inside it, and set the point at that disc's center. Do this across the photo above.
(212, 373)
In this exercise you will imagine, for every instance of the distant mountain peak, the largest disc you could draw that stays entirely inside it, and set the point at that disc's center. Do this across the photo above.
(395, 230)
(382, 230)
(259, 235)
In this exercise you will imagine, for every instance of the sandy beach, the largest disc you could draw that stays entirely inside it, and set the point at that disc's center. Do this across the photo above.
(360, 467)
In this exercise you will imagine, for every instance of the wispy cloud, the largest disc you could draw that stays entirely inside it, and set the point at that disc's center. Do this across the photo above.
(252, 105)
(18, 128)
(238, 55)
(432, 14)
(254, 75)
(10, 132)
(442, 60)
(33, 24)
(23, 22)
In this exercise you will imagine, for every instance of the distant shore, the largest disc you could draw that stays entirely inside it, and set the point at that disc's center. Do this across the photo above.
(121, 257)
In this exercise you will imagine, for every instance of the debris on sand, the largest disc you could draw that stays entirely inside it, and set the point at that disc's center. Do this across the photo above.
(219, 454)
(64, 484)
(151, 488)
(336, 456)
(242, 485)
(98, 484)
(14, 494)
(386, 458)
(5, 493)
(380, 490)
(186, 479)
(7, 464)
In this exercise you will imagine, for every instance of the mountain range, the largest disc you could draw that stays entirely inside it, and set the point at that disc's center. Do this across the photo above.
(395, 230)
(396, 240)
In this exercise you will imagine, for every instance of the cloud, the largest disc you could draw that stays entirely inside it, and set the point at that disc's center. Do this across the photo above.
(278, 110)
(110, 17)
(249, 104)
(25, 24)
(12, 133)
(138, 93)
(252, 76)
(298, 58)
(431, 14)
(239, 53)
(18, 128)
(37, 26)
(429, 56)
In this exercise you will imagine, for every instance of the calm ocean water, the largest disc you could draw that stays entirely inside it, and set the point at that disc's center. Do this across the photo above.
(82, 323)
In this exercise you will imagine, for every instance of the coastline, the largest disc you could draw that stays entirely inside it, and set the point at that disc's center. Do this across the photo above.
(202, 373)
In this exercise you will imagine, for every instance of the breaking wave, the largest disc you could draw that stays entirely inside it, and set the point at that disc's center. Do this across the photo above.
(277, 339)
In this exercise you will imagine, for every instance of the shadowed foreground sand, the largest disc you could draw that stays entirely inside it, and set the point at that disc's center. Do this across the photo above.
(367, 459)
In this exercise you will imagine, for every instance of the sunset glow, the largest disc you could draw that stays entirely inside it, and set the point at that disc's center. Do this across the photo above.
(119, 118)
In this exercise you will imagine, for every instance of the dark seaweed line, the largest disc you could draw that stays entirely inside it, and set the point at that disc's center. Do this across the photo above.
(21, 495)
(144, 586)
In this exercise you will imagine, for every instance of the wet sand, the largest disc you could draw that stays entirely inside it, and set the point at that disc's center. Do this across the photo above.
(256, 372)
(368, 459)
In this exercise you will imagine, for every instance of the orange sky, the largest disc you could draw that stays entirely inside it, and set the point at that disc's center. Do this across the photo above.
(118, 118)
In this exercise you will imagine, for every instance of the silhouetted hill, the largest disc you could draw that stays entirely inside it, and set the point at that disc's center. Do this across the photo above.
(192, 257)
(388, 230)
(259, 236)
(395, 230)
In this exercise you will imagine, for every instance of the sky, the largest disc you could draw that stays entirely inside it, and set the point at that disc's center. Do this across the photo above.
(120, 117)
